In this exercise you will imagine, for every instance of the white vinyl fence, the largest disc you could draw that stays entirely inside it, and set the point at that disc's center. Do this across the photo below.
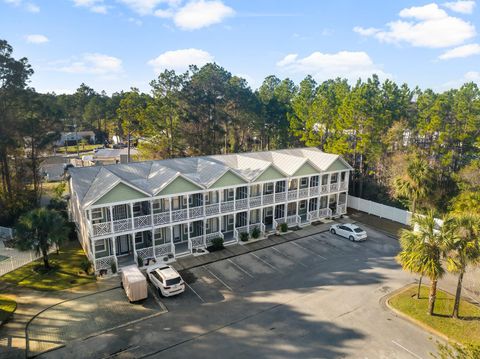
(380, 210)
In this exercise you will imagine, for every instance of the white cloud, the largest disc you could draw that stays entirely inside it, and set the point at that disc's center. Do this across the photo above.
(429, 26)
(198, 14)
(348, 64)
(179, 60)
(463, 7)
(470, 76)
(461, 51)
(93, 63)
(36, 39)
(96, 6)
(147, 7)
(30, 7)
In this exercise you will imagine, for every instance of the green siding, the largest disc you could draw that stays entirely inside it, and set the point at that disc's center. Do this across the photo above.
(338, 165)
(120, 193)
(305, 170)
(179, 185)
(270, 174)
(227, 180)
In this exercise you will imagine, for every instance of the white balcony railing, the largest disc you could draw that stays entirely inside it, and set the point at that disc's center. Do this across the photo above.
(277, 221)
(314, 191)
(291, 220)
(227, 206)
(267, 199)
(122, 225)
(196, 212)
(312, 216)
(341, 209)
(100, 229)
(292, 195)
(280, 197)
(142, 221)
(212, 209)
(161, 218)
(343, 186)
(179, 215)
(303, 193)
(145, 253)
(196, 242)
(210, 236)
(333, 187)
(255, 201)
(324, 188)
(324, 213)
(241, 204)
(104, 263)
(163, 249)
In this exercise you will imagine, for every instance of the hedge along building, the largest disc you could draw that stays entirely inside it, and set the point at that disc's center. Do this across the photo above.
(175, 206)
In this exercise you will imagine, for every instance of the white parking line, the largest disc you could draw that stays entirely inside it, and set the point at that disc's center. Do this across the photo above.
(284, 255)
(264, 261)
(238, 266)
(193, 290)
(408, 351)
(221, 281)
(307, 249)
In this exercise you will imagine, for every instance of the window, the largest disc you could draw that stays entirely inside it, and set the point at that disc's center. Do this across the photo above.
(190, 228)
(100, 246)
(157, 276)
(97, 214)
(230, 194)
(314, 181)
(138, 238)
(268, 212)
(303, 205)
(185, 229)
(158, 233)
(230, 219)
(207, 225)
(156, 205)
(304, 181)
(207, 197)
(334, 178)
(342, 176)
(268, 188)
(137, 209)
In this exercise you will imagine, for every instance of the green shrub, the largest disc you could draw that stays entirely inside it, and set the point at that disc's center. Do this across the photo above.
(244, 236)
(140, 261)
(283, 227)
(85, 265)
(113, 267)
(217, 244)
(255, 233)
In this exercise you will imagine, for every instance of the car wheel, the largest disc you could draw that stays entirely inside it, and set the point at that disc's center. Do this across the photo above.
(121, 284)
(351, 238)
(332, 231)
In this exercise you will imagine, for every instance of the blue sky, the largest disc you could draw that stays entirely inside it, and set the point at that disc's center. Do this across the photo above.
(115, 44)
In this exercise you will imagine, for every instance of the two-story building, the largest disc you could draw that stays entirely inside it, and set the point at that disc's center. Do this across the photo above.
(173, 207)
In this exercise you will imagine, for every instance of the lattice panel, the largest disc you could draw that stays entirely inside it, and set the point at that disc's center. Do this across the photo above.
(100, 229)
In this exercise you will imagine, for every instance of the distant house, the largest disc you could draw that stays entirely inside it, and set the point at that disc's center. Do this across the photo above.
(71, 138)
(108, 156)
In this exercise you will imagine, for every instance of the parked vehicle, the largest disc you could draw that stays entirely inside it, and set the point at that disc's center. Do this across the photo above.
(166, 279)
(350, 231)
(134, 283)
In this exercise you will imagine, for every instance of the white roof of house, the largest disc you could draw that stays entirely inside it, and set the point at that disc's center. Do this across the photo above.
(150, 177)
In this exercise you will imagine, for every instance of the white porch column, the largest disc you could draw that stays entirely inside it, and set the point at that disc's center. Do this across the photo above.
(329, 182)
(114, 247)
(298, 188)
(188, 208)
(171, 240)
(262, 186)
(169, 201)
(90, 224)
(131, 214)
(151, 212)
(204, 213)
(274, 191)
(110, 208)
(205, 232)
(153, 243)
(220, 224)
(248, 208)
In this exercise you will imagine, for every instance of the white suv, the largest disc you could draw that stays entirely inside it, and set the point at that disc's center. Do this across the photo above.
(350, 231)
(166, 280)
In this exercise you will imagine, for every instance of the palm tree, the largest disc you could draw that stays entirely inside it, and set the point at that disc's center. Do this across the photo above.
(415, 184)
(423, 248)
(39, 230)
(464, 249)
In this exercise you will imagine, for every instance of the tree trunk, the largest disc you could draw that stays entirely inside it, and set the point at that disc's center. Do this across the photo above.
(419, 286)
(432, 296)
(45, 260)
(458, 295)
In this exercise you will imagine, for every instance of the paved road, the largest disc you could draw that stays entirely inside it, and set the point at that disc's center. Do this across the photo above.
(314, 297)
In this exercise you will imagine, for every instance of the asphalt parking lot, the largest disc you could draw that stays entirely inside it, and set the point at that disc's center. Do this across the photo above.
(319, 296)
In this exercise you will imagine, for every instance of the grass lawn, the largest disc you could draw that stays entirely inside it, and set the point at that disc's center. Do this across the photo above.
(73, 149)
(66, 271)
(465, 330)
(7, 307)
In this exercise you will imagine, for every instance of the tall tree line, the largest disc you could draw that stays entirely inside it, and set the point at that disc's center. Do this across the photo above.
(378, 126)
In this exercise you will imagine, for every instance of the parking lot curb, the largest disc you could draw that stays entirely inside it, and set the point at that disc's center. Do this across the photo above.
(386, 302)
(233, 255)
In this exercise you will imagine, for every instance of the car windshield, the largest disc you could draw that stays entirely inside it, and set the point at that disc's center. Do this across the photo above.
(358, 230)
(173, 281)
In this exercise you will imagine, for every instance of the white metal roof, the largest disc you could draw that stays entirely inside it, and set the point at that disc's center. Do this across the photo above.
(150, 177)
